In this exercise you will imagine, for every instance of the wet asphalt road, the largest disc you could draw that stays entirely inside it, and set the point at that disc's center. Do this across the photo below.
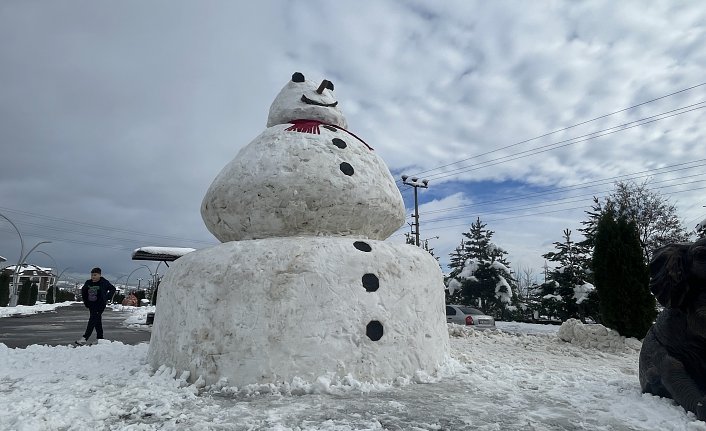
(64, 326)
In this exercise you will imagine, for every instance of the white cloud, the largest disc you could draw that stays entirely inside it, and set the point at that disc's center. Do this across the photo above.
(121, 115)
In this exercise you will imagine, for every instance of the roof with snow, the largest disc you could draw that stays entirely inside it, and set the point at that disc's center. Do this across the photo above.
(28, 269)
(164, 254)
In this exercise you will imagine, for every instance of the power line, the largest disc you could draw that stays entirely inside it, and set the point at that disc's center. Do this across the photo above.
(603, 181)
(538, 213)
(564, 128)
(572, 199)
(552, 146)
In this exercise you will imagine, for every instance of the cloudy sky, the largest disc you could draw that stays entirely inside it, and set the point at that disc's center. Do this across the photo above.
(115, 117)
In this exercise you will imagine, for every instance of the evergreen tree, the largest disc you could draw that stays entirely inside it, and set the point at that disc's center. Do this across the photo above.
(65, 295)
(453, 286)
(4, 289)
(700, 230)
(567, 290)
(485, 279)
(456, 259)
(119, 297)
(411, 239)
(140, 294)
(50, 295)
(622, 277)
(655, 217)
(24, 293)
(33, 294)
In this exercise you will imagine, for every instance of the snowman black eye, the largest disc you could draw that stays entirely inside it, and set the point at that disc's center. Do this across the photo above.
(298, 77)
(329, 85)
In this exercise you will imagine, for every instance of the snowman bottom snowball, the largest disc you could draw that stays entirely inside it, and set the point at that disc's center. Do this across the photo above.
(270, 310)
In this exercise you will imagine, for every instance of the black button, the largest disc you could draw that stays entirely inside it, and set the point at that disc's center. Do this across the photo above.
(374, 330)
(371, 283)
(346, 168)
(362, 246)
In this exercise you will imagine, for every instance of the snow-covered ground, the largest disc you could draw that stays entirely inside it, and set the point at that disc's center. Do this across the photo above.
(23, 310)
(519, 377)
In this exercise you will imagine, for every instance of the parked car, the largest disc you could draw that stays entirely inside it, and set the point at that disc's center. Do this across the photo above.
(469, 316)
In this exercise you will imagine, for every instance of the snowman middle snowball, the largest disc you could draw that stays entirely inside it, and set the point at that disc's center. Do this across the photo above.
(304, 175)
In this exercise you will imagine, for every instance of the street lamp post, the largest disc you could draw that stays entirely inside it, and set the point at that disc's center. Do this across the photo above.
(127, 286)
(414, 182)
(155, 283)
(13, 296)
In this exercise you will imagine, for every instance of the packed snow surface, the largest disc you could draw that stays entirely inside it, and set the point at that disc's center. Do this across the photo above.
(23, 310)
(519, 377)
(269, 310)
(289, 106)
(288, 183)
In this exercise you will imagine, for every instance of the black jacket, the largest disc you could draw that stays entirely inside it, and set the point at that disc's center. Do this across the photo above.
(102, 292)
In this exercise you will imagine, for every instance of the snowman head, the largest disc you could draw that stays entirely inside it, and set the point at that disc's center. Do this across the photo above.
(306, 100)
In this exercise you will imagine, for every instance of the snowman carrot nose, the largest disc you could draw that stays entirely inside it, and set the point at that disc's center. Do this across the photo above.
(324, 85)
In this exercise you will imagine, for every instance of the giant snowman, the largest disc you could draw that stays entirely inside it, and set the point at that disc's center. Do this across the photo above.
(303, 284)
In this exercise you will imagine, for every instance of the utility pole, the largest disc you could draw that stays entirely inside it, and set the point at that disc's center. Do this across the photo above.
(414, 182)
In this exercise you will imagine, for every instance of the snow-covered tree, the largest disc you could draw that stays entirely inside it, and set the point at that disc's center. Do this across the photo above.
(567, 291)
(453, 286)
(701, 229)
(409, 239)
(484, 278)
(655, 217)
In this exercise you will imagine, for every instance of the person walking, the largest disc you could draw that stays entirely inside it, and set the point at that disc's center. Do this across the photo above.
(96, 292)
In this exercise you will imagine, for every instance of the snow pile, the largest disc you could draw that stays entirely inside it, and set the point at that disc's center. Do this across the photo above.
(328, 383)
(494, 381)
(138, 315)
(25, 310)
(461, 331)
(596, 337)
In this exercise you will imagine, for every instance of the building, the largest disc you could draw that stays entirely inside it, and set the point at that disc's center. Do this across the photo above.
(43, 277)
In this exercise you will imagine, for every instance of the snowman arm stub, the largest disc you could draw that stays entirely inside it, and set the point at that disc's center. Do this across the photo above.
(312, 126)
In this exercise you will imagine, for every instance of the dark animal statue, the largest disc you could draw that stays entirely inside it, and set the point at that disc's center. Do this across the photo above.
(673, 355)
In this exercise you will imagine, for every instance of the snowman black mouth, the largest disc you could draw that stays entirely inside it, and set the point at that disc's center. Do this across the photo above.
(314, 102)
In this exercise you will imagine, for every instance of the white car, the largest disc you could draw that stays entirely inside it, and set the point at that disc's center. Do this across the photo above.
(469, 316)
